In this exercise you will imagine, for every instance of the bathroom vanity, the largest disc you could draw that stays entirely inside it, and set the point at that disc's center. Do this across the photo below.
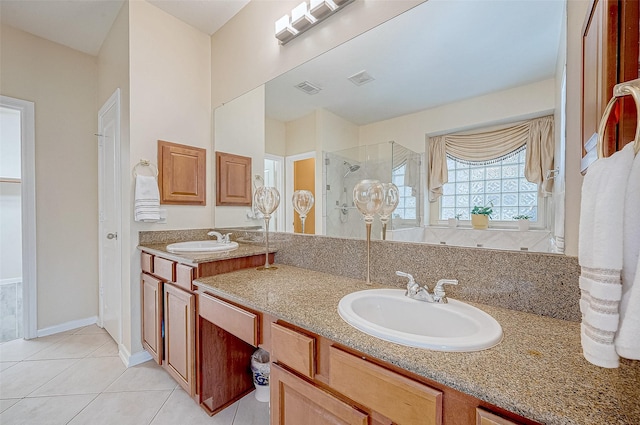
(325, 371)
(169, 305)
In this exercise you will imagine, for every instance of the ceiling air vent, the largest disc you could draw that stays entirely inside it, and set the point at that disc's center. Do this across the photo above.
(308, 88)
(361, 78)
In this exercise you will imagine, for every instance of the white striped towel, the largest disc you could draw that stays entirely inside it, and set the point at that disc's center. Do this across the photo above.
(627, 339)
(600, 254)
(147, 199)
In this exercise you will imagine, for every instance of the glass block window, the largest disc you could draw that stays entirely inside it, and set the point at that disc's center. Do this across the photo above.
(500, 183)
(407, 206)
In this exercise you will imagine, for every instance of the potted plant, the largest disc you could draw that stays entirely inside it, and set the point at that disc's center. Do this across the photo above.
(523, 221)
(480, 216)
(453, 222)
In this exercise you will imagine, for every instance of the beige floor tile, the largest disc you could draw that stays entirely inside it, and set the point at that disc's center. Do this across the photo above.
(6, 365)
(7, 403)
(73, 347)
(145, 376)
(129, 408)
(26, 377)
(108, 349)
(21, 349)
(181, 409)
(45, 410)
(252, 412)
(88, 375)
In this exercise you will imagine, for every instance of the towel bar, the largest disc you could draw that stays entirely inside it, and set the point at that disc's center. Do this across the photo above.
(145, 163)
(619, 90)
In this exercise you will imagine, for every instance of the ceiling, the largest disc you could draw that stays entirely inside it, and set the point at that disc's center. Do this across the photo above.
(83, 24)
(439, 52)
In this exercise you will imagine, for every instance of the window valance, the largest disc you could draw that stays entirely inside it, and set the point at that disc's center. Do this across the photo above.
(485, 147)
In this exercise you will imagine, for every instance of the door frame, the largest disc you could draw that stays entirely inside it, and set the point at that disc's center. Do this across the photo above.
(28, 213)
(280, 185)
(113, 101)
(289, 160)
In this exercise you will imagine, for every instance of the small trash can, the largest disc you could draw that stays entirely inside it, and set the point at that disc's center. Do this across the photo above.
(260, 369)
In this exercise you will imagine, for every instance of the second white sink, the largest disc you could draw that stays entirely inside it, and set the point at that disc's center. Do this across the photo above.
(390, 315)
(202, 246)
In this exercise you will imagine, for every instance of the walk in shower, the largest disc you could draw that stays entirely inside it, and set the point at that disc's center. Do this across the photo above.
(387, 162)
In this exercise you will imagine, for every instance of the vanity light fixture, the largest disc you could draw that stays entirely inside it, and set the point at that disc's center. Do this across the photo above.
(284, 31)
(306, 16)
(300, 17)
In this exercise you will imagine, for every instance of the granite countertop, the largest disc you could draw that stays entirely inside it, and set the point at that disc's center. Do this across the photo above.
(537, 371)
(192, 258)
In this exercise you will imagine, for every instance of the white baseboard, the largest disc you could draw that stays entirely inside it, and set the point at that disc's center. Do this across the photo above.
(63, 327)
(129, 359)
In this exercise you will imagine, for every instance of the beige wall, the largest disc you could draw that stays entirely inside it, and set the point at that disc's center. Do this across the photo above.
(576, 13)
(240, 129)
(246, 54)
(505, 106)
(170, 80)
(113, 73)
(63, 85)
(275, 137)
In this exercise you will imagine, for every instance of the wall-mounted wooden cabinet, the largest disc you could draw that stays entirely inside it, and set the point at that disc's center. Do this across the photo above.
(182, 174)
(233, 180)
(609, 56)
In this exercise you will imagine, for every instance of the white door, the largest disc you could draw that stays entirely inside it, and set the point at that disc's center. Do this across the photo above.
(109, 206)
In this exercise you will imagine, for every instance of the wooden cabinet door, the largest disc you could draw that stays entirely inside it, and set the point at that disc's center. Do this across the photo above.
(179, 322)
(487, 418)
(182, 174)
(151, 294)
(295, 401)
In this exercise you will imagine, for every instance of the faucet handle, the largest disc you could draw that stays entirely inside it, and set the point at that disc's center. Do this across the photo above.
(412, 286)
(407, 275)
(227, 237)
(439, 295)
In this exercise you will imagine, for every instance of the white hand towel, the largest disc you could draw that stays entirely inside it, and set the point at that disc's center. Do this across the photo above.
(627, 339)
(600, 255)
(147, 199)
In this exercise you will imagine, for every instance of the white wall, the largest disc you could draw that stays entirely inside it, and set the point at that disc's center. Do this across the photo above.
(170, 80)
(240, 129)
(63, 85)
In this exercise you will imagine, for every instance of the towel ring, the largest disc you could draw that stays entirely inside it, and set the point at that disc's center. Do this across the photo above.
(145, 163)
(619, 90)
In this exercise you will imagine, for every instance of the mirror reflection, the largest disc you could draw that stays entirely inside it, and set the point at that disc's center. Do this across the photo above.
(369, 108)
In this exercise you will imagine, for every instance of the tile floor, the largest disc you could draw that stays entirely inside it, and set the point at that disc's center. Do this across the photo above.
(76, 377)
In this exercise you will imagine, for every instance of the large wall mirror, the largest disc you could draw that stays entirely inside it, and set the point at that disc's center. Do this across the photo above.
(368, 108)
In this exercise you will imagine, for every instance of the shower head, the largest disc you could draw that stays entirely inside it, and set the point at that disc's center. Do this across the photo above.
(351, 168)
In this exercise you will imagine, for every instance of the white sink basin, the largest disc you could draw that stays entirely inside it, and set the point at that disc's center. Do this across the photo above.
(202, 246)
(390, 315)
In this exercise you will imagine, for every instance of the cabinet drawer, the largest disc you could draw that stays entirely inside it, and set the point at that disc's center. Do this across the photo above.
(146, 262)
(293, 349)
(232, 319)
(397, 397)
(164, 269)
(184, 276)
(484, 417)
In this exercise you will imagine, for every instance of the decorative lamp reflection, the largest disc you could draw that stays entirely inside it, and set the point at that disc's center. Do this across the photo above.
(367, 196)
(390, 199)
(302, 202)
(266, 199)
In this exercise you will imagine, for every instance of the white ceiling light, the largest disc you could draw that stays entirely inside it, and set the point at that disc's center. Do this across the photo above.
(306, 16)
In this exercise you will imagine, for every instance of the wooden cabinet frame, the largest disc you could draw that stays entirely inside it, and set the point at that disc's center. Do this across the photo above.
(233, 180)
(182, 174)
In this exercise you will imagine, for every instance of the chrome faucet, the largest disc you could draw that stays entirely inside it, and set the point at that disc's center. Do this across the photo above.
(220, 237)
(422, 293)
